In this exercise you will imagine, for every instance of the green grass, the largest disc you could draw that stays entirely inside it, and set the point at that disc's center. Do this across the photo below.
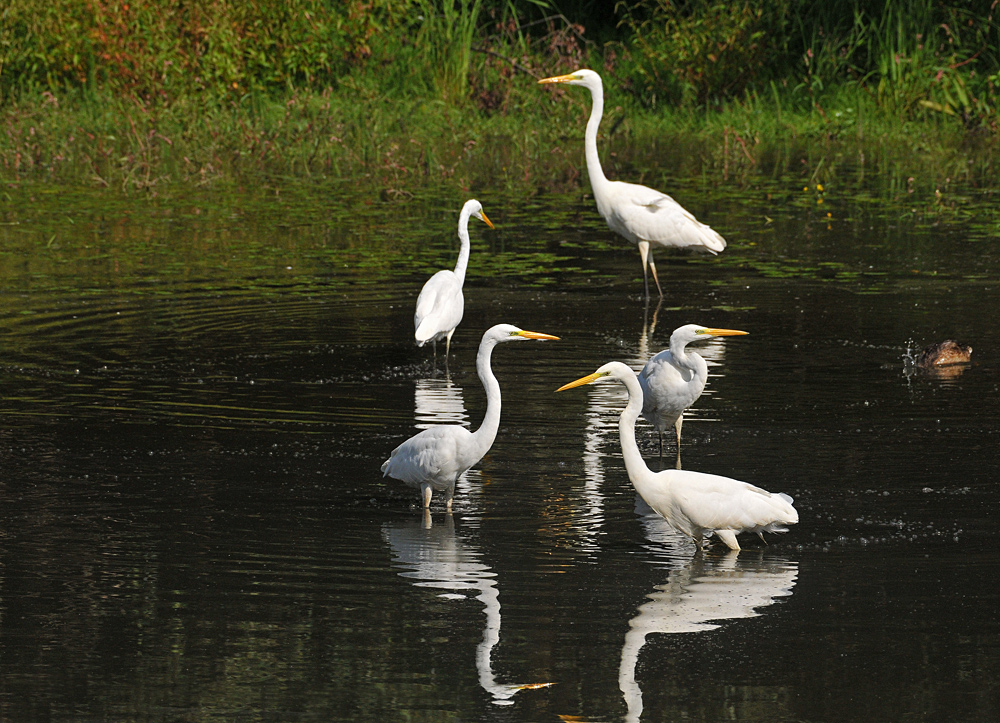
(147, 96)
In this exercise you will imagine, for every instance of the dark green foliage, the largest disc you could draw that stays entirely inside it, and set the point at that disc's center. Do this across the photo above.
(911, 56)
(146, 92)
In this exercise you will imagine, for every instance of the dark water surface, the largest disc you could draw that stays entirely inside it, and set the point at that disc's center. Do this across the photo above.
(197, 394)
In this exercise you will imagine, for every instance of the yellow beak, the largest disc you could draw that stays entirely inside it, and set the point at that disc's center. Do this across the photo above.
(537, 335)
(482, 215)
(583, 380)
(725, 332)
(558, 79)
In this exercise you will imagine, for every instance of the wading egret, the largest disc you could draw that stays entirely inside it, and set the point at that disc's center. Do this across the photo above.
(441, 305)
(694, 503)
(642, 215)
(674, 379)
(434, 459)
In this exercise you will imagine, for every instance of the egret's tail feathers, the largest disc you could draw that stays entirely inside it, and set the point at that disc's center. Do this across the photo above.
(424, 332)
(712, 240)
(783, 496)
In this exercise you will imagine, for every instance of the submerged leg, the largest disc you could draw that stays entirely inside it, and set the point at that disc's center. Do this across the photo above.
(728, 537)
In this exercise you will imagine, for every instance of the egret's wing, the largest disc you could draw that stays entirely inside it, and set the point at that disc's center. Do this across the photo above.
(659, 219)
(435, 291)
(440, 305)
(716, 502)
(434, 454)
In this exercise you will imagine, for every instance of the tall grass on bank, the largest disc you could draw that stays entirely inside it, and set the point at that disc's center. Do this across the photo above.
(447, 31)
(913, 55)
(151, 93)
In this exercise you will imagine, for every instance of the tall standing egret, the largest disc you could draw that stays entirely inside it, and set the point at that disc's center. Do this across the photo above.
(674, 379)
(643, 215)
(434, 459)
(441, 305)
(694, 503)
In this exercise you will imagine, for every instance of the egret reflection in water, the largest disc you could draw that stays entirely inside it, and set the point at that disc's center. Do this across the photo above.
(698, 596)
(438, 401)
(434, 556)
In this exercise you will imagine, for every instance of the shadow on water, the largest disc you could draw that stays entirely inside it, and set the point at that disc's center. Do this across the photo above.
(196, 394)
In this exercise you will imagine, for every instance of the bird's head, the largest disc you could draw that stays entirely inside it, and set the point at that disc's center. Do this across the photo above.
(475, 208)
(612, 370)
(584, 77)
(694, 332)
(509, 332)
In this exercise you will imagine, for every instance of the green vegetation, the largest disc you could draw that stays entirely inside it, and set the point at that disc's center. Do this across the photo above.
(152, 93)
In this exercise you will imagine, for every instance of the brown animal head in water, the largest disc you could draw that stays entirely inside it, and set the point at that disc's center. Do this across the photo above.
(944, 354)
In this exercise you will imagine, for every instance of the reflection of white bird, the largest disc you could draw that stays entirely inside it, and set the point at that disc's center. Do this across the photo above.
(641, 214)
(674, 379)
(438, 401)
(434, 556)
(695, 503)
(441, 305)
(434, 459)
(703, 591)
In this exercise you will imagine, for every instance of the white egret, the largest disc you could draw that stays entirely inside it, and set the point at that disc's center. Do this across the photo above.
(642, 215)
(674, 379)
(434, 459)
(441, 305)
(694, 503)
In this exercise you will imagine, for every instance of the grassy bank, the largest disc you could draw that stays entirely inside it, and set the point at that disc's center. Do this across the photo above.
(140, 97)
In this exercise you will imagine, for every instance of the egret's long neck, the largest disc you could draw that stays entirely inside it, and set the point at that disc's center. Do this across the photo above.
(463, 253)
(597, 179)
(687, 360)
(678, 350)
(487, 432)
(638, 472)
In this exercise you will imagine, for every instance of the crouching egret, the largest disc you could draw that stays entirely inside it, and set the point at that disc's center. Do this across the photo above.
(674, 379)
(441, 305)
(641, 214)
(434, 459)
(694, 503)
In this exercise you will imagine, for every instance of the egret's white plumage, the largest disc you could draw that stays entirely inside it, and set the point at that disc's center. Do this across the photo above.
(434, 459)
(694, 503)
(673, 380)
(441, 304)
(642, 215)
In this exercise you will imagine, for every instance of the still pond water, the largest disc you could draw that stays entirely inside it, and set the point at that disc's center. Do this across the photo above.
(198, 392)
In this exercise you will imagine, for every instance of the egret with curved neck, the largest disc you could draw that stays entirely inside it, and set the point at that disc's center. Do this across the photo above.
(434, 459)
(674, 379)
(640, 214)
(696, 504)
(441, 304)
